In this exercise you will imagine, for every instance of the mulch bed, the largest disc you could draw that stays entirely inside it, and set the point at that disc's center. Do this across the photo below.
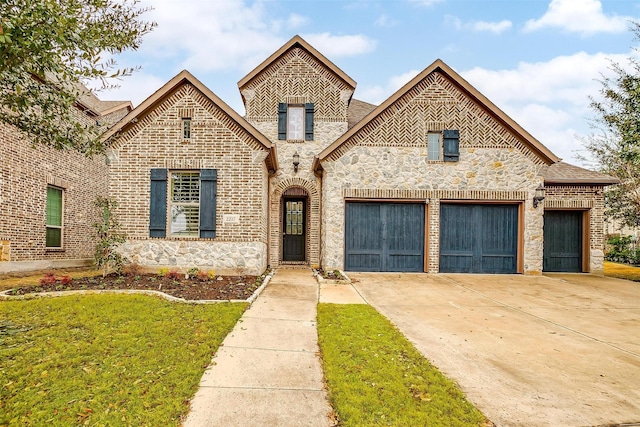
(193, 288)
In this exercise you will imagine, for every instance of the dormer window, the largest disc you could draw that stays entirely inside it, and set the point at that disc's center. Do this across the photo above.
(295, 122)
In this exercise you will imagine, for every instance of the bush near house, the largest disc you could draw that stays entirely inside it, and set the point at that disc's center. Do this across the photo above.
(622, 249)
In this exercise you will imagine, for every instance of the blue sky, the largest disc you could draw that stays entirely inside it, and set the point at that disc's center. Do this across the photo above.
(538, 60)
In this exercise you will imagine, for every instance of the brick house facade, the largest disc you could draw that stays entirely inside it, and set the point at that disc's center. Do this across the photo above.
(434, 179)
(26, 174)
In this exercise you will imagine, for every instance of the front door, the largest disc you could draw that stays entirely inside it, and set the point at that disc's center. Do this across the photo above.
(294, 230)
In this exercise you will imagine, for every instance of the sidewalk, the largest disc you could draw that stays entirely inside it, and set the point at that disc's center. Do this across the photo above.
(267, 371)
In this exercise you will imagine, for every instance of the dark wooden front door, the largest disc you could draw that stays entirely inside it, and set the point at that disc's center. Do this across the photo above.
(478, 238)
(294, 230)
(562, 241)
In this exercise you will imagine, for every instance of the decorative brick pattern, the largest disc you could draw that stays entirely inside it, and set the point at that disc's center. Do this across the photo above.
(435, 104)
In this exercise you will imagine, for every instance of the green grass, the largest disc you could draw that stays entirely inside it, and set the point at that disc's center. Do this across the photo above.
(105, 360)
(377, 378)
(621, 271)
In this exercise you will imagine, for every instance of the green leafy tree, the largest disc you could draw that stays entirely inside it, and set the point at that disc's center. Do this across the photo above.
(615, 143)
(109, 236)
(48, 50)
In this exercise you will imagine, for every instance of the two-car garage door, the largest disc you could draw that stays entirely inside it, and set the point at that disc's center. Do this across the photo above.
(474, 238)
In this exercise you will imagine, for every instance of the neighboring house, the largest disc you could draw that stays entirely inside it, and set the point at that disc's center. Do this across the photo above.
(47, 196)
(435, 179)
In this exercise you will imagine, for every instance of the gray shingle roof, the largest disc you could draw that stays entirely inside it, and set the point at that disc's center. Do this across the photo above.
(357, 111)
(565, 174)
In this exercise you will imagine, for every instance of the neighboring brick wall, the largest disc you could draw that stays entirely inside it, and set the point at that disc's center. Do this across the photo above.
(156, 141)
(25, 172)
(582, 198)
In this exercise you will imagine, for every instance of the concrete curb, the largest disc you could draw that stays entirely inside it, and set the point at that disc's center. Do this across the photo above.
(5, 297)
(322, 281)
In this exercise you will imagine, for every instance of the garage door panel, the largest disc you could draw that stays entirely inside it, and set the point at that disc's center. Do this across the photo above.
(477, 238)
(384, 237)
(563, 241)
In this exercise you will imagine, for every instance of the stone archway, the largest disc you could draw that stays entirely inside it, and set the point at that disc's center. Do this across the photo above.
(291, 188)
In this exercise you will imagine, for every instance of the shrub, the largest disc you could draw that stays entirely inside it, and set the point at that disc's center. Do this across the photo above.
(203, 276)
(133, 269)
(65, 280)
(193, 272)
(173, 275)
(108, 236)
(48, 279)
(163, 272)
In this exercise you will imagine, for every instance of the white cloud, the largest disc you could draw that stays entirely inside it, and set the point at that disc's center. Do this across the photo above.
(385, 21)
(549, 99)
(296, 21)
(425, 2)
(579, 16)
(340, 46)
(492, 27)
(377, 94)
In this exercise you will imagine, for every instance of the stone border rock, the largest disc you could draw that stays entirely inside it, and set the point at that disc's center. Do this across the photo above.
(5, 297)
(321, 280)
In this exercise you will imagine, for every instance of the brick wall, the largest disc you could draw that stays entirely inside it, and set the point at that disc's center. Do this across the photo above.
(156, 141)
(25, 172)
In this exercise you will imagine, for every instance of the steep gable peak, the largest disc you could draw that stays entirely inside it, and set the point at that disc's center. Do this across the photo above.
(296, 42)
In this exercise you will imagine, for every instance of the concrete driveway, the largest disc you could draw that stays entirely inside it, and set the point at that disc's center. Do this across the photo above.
(559, 350)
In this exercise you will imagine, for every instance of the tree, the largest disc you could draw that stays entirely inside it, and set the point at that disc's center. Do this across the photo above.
(615, 145)
(109, 237)
(48, 50)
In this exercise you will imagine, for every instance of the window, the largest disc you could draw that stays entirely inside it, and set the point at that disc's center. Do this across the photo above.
(54, 218)
(295, 122)
(186, 128)
(185, 204)
(433, 149)
(189, 199)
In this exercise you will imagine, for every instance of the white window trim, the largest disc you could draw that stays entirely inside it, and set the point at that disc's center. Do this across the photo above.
(171, 204)
(61, 226)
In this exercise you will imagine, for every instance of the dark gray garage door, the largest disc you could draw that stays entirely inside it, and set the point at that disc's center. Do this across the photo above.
(562, 241)
(384, 237)
(478, 238)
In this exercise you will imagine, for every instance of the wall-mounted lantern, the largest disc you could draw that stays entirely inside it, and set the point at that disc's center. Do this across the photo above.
(539, 196)
(296, 161)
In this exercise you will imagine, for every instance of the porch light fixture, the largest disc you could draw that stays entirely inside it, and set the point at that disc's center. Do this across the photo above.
(539, 196)
(296, 161)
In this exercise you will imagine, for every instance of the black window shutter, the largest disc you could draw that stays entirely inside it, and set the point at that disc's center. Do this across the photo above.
(158, 203)
(208, 191)
(308, 121)
(451, 145)
(282, 121)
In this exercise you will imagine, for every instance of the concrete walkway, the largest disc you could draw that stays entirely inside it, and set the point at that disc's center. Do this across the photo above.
(267, 371)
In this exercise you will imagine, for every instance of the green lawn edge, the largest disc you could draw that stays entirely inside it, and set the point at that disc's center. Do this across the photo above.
(376, 377)
(105, 360)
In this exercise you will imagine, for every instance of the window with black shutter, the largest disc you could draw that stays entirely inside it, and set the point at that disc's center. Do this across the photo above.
(295, 122)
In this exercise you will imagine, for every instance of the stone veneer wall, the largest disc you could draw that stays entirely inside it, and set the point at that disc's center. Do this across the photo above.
(216, 142)
(589, 198)
(25, 173)
(404, 173)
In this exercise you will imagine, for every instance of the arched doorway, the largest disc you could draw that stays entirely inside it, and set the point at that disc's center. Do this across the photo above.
(295, 203)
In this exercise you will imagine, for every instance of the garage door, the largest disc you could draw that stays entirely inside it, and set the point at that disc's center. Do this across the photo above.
(478, 238)
(562, 241)
(384, 237)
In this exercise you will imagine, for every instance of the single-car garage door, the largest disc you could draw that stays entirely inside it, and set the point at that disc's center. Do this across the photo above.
(384, 236)
(478, 238)
(562, 241)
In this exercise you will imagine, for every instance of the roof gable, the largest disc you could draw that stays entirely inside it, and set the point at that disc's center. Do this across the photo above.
(184, 77)
(394, 104)
(296, 41)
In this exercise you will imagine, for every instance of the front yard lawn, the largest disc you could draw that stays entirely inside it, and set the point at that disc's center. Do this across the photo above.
(105, 360)
(622, 271)
(377, 378)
